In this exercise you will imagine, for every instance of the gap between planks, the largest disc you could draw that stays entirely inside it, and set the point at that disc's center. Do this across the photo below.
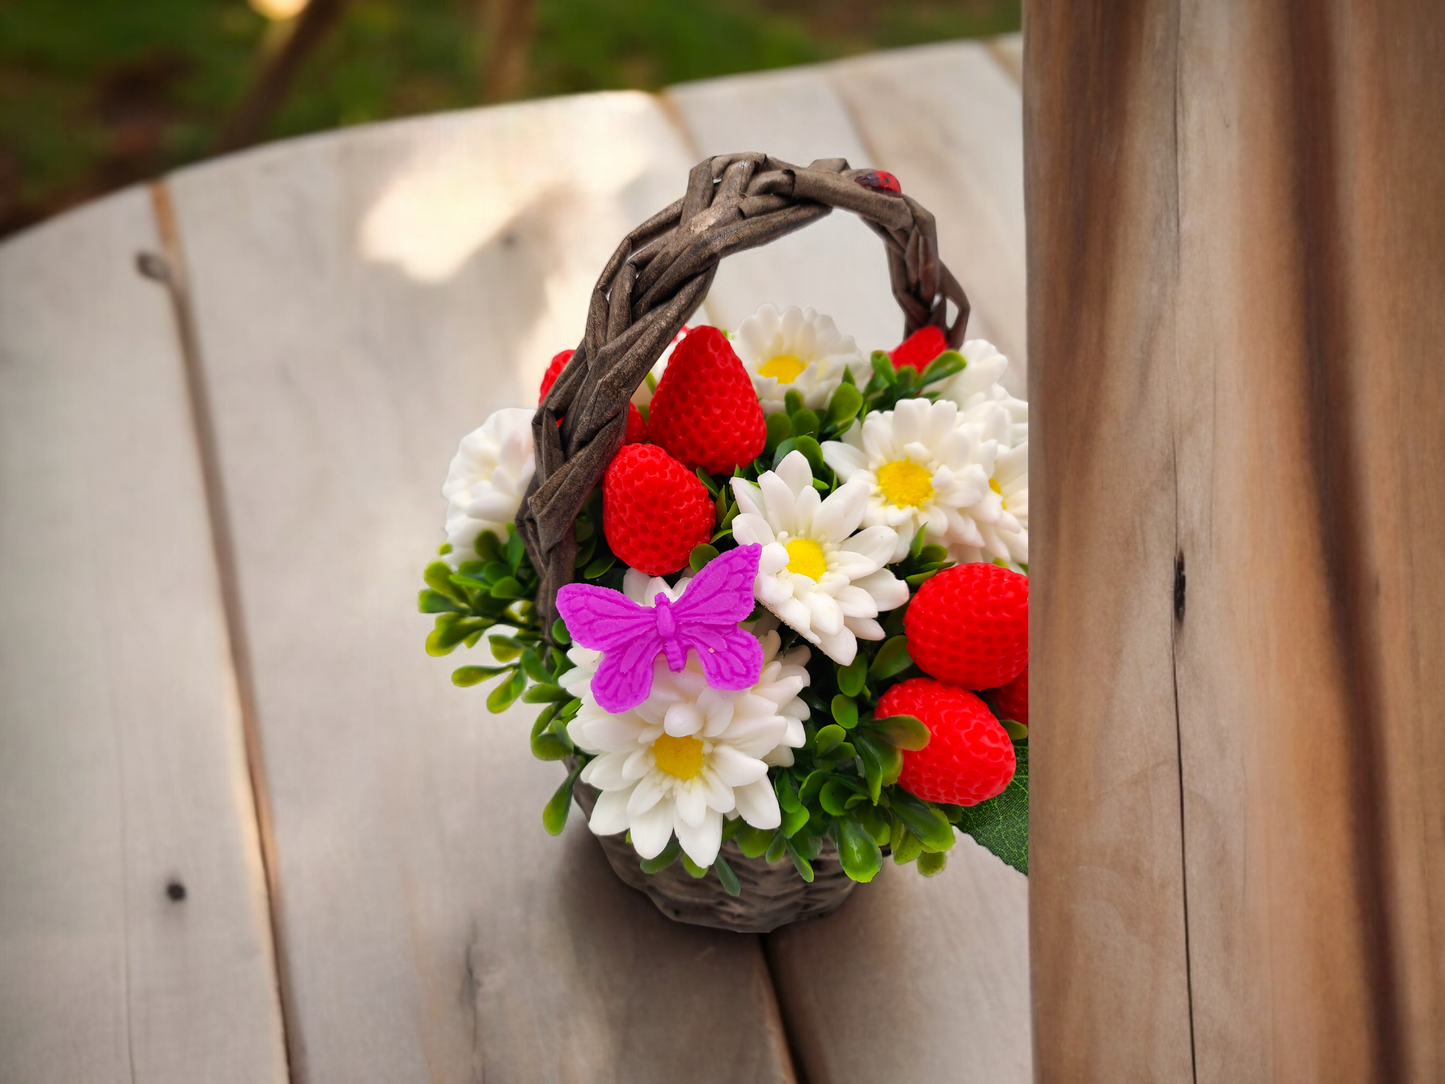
(169, 269)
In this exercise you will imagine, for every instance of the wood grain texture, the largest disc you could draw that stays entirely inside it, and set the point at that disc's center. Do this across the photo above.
(940, 966)
(121, 767)
(948, 120)
(1255, 195)
(363, 300)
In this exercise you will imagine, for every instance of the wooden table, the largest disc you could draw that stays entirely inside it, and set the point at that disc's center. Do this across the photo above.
(249, 831)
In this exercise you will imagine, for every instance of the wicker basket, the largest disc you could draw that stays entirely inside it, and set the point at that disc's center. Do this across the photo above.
(772, 896)
(653, 283)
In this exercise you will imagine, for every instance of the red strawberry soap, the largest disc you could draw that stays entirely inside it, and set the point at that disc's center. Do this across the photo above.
(919, 349)
(969, 625)
(636, 426)
(1011, 701)
(705, 411)
(654, 510)
(969, 757)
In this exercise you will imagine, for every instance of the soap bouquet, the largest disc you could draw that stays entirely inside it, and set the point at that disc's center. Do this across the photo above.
(784, 634)
(801, 610)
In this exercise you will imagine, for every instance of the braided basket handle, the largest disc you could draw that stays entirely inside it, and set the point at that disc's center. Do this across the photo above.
(658, 277)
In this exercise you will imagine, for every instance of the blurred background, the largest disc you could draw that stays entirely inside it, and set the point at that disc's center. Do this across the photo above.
(98, 94)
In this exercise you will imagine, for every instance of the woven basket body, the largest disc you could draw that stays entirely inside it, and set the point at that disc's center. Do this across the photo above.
(653, 283)
(772, 895)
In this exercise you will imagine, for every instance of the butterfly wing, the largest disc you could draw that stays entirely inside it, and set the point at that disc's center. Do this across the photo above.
(731, 657)
(601, 619)
(722, 593)
(625, 633)
(708, 612)
(624, 677)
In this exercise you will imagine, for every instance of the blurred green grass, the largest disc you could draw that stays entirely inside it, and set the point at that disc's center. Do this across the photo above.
(96, 94)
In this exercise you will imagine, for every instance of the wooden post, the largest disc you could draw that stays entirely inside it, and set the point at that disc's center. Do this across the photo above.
(1236, 220)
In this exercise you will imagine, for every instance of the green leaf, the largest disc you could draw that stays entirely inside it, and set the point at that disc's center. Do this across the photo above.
(801, 863)
(1001, 824)
(501, 698)
(507, 587)
(828, 739)
(883, 368)
(942, 367)
(449, 632)
(932, 555)
(780, 428)
(584, 528)
(532, 664)
(919, 578)
(475, 675)
(903, 731)
(706, 479)
(493, 571)
(726, 875)
(1017, 731)
(559, 632)
(554, 816)
(701, 554)
(833, 798)
(583, 556)
(787, 800)
(845, 712)
(813, 452)
(516, 550)
(754, 842)
(792, 401)
(931, 863)
(923, 820)
(908, 848)
(488, 546)
(549, 746)
(872, 770)
(794, 819)
(844, 407)
(438, 576)
(892, 658)
(546, 693)
(505, 648)
(698, 872)
(860, 854)
(805, 422)
(775, 850)
(870, 818)
(660, 862)
(915, 547)
(852, 676)
(881, 762)
(780, 453)
(599, 566)
(434, 602)
(544, 717)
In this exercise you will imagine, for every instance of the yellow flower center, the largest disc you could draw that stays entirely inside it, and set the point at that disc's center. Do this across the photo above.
(805, 557)
(993, 485)
(784, 368)
(678, 757)
(905, 483)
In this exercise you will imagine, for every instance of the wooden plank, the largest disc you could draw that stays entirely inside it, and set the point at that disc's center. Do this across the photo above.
(948, 120)
(919, 959)
(835, 266)
(1255, 197)
(1110, 980)
(121, 764)
(363, 300)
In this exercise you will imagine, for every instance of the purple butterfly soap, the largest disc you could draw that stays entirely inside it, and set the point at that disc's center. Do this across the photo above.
(704, 619)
